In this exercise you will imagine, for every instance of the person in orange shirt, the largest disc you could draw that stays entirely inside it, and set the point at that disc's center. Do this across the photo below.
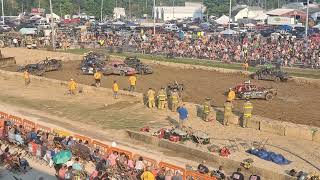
(133, 82)
(72, 87)
(115, 88)
(231, 95)
(26, 78)
(97, 77)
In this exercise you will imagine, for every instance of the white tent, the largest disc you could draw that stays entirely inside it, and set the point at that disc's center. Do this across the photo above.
(228, 32)
(223, 20)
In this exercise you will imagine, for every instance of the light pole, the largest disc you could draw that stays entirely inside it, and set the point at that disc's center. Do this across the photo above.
(154, 17)
(101, 16)
(173, 9)
(52, 28)
(130, 9)
(229, 14)
(307, 20)
(2, 11)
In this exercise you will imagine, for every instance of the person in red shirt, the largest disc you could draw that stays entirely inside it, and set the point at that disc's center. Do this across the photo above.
(62, 172)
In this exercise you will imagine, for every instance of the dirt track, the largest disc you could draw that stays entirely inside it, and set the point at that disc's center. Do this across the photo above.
(295, 102)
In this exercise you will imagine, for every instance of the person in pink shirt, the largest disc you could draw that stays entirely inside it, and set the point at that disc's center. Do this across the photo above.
(62, 172)
(112, 158)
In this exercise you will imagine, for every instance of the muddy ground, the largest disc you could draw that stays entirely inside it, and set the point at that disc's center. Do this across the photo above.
(297, 103)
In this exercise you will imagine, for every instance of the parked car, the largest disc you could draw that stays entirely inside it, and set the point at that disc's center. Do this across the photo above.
(270, 73)
(41, 67)
(171, 27)
(119, 68)
(5, 28)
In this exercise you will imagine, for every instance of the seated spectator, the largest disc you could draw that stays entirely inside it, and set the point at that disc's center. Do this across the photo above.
(130, 162)
(76, 165)
(23, 163)
(32, 135)
(101, 165)
(11, 135)
(62, 172)
(140, 165)
(177, 176)
(112, 158)
(19, 139)
(95, 156)
(147, 175)
(68, 175)
(202, 168)
(237, 175)
(169, 175)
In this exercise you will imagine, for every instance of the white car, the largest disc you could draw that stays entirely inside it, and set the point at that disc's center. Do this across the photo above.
(43, 25)
(5, 28)
(171, 27)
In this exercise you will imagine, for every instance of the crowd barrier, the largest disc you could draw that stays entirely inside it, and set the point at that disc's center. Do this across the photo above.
(103, 148)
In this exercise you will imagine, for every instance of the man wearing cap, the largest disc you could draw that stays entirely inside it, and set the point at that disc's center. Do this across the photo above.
(247, 112)
(174, 100)
(72, 87)
(133, 82)
(151, 95)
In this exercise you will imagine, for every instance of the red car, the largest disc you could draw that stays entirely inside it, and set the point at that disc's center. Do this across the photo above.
(251, 91)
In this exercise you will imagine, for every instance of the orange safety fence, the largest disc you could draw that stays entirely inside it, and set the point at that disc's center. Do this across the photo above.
(43, 128)
(148, 161)
(128, 153)
(173, 168)
(16, 120)
(4, 115)
(103, 148)
(83, 138)
(192, 175)
(28, 125)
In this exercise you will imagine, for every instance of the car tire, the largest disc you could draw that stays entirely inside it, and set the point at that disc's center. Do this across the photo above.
(269, 97)
(277, 79)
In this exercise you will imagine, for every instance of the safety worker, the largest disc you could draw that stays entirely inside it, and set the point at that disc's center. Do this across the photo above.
(206, 109)
(133, 82)
(245, 66)
(151, 95)
(72, 87)
(162, 97)
(115, 88)
(97, 77)
(247, 112)
(26, 78)
(174, 100)
(227, 112)
(231, 95)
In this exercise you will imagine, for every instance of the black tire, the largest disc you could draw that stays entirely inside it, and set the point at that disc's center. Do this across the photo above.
(122, 73)
(277, 79)
(269, 97)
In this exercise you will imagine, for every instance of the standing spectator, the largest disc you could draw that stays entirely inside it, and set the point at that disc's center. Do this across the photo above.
(183, 115)
(76, 165)
(115, 88)
(147, 175)
(237, 175)
(177, 176)
(68, 175)
(62, 172)
(133, 82)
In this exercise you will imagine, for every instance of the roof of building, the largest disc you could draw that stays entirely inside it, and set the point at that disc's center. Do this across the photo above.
(279, 12)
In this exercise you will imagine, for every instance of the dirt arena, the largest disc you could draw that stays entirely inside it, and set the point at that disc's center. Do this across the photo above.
(298, 103)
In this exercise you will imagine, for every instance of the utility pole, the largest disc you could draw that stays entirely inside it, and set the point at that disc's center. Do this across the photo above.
(173, 9)
(130, 9)
(101, 15)
(154, 17)
(229, 23)
(307, 21)
(2, 11)
(52, 28)
(60, 9)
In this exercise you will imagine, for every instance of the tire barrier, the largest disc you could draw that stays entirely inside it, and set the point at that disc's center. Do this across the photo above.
(103, 148)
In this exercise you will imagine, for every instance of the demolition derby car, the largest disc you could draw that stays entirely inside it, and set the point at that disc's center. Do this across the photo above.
(135, 63)
(270, 73)
(41, 67)
(251, 91)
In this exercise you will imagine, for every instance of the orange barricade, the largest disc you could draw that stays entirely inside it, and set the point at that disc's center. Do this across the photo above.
(174, 168)
(4, 115)
(114, 149)
(28, 125)
(148, 161)
(198, 176)
(43, 128)
(83, 138)
(103, 149)
(16, 120)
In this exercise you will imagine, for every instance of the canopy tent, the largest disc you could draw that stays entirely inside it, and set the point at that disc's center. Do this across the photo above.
(223, 20)
(28, 31)
(228, 32)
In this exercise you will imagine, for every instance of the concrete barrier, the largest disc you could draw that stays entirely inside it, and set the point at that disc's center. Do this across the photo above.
(254, 123)
(299, 131)
(273, 127)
